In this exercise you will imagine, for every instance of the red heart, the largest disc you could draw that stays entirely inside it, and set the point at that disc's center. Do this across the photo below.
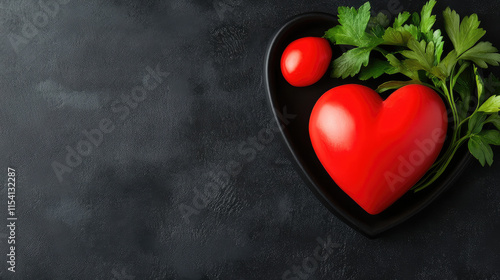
(377, 150)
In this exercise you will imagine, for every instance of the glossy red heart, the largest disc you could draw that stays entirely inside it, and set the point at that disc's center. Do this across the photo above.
(376, 150)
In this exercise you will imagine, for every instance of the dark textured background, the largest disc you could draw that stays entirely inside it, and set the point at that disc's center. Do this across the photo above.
(116, 215)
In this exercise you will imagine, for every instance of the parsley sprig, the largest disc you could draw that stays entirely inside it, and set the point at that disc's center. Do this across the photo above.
(412, 47)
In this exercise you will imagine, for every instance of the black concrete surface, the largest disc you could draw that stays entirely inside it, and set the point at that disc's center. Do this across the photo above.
(68, 73)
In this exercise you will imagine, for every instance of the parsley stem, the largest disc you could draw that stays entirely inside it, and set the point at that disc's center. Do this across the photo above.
(443, 166)
(466, 119)
(382, 51)
(452, 84)
(440, 165)
(451, 102)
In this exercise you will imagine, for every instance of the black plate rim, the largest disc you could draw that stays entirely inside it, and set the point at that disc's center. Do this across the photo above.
(365, 230)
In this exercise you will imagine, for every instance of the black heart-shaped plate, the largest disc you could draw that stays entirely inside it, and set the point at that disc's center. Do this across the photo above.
(300, 102)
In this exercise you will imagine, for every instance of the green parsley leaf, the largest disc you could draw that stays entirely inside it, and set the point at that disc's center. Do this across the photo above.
(396, 36)
(403, 67)
(413, 29)
(352, 28)
(463, 35)
(447, 64)
(380, 19)
(476, 123)
(350, 62)
(437, 39)
(492, 84)
(479, 83)
(463, 67)
(415, 19)
(427, 20)
(492, 105)
(375, 69)
(421, 52)
(464, 83)
(491, 136)
(480, 150)
(378, 31)
(377, 25)
(494, 119)
(401, 19)
(482, 54)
